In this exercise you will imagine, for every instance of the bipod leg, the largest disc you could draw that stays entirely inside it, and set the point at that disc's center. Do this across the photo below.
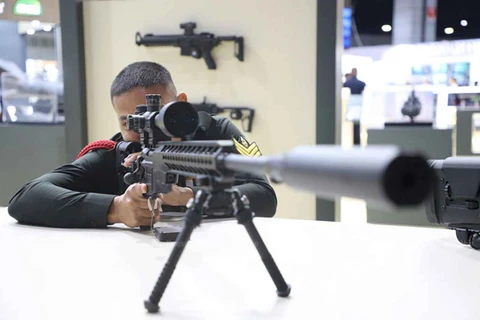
(193, 217)
(244, 215)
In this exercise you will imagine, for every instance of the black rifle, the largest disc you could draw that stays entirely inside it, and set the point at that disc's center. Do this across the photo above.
(236, 113)
(384, 175)
(197, 45)
(455, 200)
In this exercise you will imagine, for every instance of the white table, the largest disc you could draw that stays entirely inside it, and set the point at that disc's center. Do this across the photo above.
(337, 271)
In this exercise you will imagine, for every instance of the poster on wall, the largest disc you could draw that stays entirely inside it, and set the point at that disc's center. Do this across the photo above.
(441, 73)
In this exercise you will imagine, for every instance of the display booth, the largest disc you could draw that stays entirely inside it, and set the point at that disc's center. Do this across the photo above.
(421, 96)
(34, 94)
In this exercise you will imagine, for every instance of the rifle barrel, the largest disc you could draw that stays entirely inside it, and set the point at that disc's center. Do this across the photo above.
(382, 175)
(166, 40)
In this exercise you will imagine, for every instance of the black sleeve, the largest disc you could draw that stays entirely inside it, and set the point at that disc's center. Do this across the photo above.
(259, 192)
(76, 195)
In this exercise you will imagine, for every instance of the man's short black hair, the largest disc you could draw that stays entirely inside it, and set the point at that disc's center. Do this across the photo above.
(141, 74)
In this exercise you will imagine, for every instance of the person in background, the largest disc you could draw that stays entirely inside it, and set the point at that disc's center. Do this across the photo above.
(356, 86)
(88, 192)
(452, 82)
(348, 76)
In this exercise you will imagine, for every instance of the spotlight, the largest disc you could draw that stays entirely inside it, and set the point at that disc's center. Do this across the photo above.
(448, 30)
(386, 28)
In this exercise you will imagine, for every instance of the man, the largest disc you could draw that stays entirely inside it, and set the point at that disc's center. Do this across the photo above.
(356, 86)
(88, 193)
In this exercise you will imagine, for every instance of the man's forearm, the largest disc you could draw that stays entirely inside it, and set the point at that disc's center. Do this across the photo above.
(43, 203)
(262, 199)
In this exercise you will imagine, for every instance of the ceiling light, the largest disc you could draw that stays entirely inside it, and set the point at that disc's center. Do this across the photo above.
(30, 31)
(464, 23)
(449, 30)
(47, 28)
(386, 28)
(35, 23)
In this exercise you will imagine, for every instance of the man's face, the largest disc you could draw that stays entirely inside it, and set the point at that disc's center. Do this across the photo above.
(127, 102)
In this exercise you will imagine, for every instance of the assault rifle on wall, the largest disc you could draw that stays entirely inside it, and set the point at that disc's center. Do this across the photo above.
(197, 45)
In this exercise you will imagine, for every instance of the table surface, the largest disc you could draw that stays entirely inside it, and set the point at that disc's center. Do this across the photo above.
(337, 271)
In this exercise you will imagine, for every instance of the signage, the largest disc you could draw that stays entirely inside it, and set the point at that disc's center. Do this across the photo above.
(2, 7)
(28, 8)
(347, 27)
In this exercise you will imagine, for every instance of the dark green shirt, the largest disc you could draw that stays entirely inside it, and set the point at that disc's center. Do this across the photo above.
(79, 195)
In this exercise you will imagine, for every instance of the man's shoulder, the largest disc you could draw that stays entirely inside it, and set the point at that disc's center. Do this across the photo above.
(214, 127)
(100, 147)
(226, 128)
(221, 120)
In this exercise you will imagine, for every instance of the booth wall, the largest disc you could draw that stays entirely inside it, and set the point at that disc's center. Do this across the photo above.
(277, 78)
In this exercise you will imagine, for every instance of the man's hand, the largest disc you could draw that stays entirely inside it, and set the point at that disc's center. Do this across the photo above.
(179, 196)
(131, 208)
(130, 158)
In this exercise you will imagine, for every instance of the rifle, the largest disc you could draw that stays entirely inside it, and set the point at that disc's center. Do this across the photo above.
(455, 199)
(236, 113)
(192, 44)
(383, 174)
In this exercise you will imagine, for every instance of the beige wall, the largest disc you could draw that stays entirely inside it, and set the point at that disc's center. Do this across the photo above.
(277, 77)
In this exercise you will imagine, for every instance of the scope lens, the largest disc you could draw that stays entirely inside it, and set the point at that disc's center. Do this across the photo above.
(177, 119)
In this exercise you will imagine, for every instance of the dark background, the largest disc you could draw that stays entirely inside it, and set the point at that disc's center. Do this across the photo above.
(370, 15)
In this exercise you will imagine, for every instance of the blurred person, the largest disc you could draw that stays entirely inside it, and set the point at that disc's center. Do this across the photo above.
(356, 86)
(89, 193)
(348, 76)
(452, 82)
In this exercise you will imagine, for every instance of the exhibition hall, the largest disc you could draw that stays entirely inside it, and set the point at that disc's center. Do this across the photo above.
(183, 159)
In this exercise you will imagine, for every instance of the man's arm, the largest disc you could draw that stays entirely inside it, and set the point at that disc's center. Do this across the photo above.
(76, 195)
(259, 192)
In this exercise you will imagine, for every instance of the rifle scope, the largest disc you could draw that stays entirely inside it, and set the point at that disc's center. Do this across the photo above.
(177, 119)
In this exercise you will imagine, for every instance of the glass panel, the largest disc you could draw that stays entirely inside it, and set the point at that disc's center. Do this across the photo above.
(31, 77)
(28, 101)
(476, 132)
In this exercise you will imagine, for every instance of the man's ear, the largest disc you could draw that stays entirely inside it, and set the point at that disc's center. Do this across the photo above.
(182, 97)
